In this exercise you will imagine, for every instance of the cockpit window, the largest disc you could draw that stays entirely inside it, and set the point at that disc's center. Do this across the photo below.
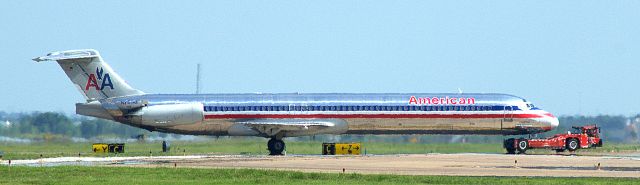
(532, 107)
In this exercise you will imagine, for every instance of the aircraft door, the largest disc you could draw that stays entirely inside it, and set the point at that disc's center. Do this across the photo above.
(508, 114)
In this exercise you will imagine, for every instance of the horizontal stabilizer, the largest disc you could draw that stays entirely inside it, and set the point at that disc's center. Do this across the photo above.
(70, 54)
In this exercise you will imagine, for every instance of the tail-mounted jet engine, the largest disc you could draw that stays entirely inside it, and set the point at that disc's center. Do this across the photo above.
(167, 114)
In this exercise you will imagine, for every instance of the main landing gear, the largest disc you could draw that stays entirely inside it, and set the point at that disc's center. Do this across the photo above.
(276, 146)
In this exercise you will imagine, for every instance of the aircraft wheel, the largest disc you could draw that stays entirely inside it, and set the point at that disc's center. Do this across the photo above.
(572, 144)
(508, 144)
(522, 146)
(276, 146)
(599, 143)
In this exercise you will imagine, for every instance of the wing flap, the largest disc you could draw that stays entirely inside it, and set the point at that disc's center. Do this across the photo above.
(272, 127)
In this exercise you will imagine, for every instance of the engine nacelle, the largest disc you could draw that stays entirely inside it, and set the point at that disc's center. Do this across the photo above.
(168, 115)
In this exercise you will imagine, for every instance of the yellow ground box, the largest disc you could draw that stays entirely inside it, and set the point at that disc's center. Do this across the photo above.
(347, 148)
(100, 148)
(341, 148)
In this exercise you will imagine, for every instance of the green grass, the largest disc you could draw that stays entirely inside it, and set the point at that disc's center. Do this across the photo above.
(135, 175)
(257, 146)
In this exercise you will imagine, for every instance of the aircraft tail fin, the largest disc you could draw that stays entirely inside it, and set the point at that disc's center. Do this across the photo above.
(90, 74)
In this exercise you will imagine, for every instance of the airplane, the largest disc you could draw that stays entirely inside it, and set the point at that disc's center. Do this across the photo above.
(279, 115)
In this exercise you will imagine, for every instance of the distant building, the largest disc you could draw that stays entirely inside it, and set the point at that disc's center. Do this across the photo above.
(7, 123)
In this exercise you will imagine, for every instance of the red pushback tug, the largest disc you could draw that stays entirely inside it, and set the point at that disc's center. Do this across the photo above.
(585, 137)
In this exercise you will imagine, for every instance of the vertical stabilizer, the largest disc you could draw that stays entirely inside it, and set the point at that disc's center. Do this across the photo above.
(93, 77)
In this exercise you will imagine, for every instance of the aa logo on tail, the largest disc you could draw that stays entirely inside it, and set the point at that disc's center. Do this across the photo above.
(105, 80)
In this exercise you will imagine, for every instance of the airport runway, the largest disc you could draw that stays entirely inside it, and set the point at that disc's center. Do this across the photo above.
(415, 164)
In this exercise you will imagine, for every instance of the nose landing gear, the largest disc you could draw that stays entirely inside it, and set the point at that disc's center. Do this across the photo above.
(276, 146)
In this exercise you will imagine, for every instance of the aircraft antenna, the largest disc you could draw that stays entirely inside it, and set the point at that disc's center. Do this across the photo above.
(198, 80)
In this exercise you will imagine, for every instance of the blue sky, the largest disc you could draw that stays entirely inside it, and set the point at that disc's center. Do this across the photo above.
(569, 57)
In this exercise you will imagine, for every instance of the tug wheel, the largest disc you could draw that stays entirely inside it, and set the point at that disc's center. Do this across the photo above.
(522, 146)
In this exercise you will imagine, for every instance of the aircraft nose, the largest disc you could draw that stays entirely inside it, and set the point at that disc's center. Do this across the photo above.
(552, 121)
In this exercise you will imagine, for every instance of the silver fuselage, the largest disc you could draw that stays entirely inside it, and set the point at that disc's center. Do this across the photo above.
(369, 113)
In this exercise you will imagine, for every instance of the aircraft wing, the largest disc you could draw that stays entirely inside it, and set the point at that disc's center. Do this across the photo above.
(272, 127)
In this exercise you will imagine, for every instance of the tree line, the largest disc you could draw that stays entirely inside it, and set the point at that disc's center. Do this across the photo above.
(36, 124)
